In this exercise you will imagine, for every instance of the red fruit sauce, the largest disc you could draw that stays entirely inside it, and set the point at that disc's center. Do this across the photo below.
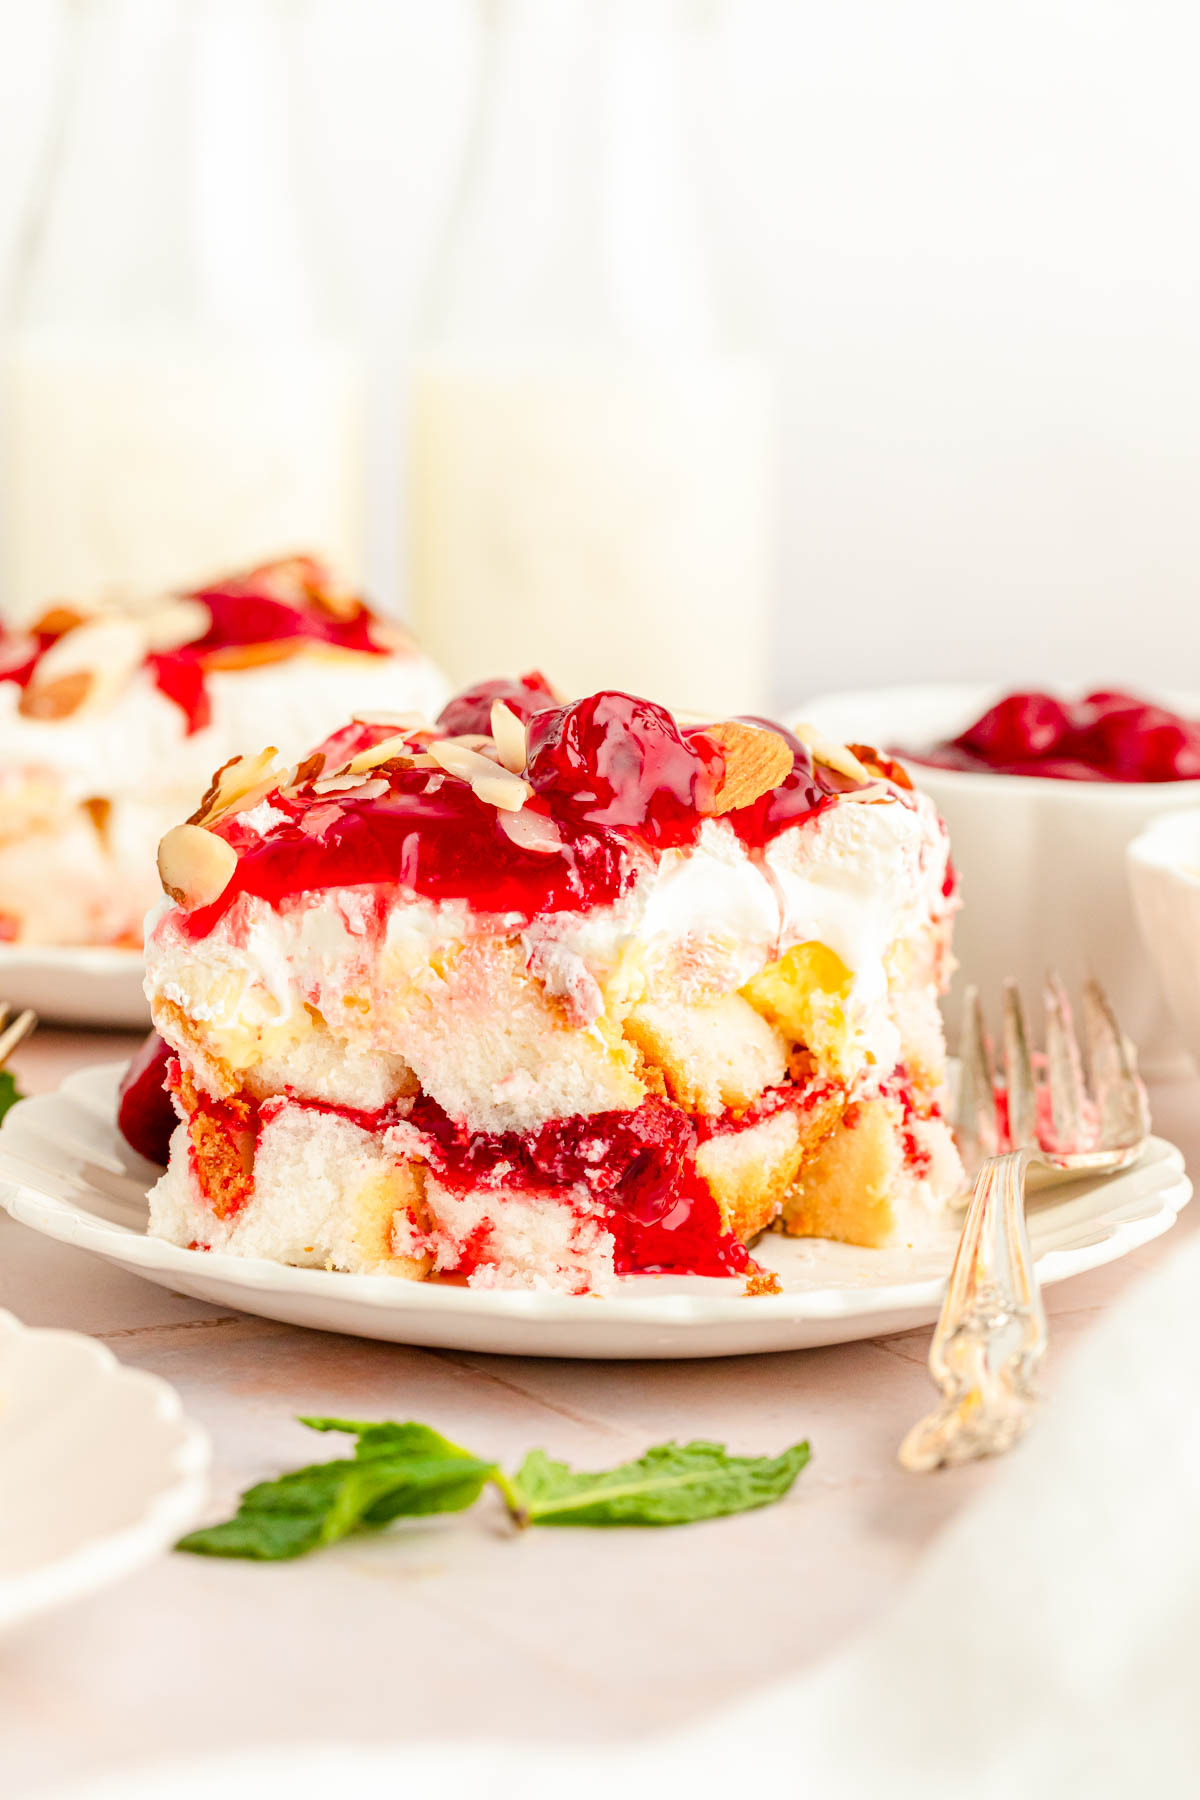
(471, 711)
(1107, 736)
(638, 1165)
(614, 775)
(274, 604)
(145, 1116)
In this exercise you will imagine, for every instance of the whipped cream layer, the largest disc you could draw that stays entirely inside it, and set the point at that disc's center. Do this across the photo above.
(406, 976)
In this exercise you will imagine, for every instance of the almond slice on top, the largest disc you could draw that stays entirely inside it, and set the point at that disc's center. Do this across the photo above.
(755, 762)
(87, 666)
(195, 866)
(491, 783)
(508, 735)
(531, 830)
(388, 749)
(238, 784)
(834, 755)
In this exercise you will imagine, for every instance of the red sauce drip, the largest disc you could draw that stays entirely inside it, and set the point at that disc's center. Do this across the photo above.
(638, 1165)
(471, 711)
(1107, 736)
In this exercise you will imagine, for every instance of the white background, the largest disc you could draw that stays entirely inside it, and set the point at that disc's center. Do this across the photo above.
(971, 236)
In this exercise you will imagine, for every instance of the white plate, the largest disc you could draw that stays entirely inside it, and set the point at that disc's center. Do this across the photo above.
(65, 1170)
(84, 985)
(99, 1469)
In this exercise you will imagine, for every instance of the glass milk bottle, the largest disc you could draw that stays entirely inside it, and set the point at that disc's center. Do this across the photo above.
(171, 402)
(591, 451)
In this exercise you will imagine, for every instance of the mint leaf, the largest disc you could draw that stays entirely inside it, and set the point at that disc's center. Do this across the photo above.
(673, 1484)
(410, 1470)
(10, 1093)
(397, 1471)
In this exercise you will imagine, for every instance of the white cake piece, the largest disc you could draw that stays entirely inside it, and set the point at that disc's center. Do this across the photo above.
(635, 1047)
(97, 761)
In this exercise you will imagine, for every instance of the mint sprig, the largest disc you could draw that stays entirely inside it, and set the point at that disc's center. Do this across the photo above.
(673, 1484)
(397, 1471)
(411, 1470)
(10, 1093)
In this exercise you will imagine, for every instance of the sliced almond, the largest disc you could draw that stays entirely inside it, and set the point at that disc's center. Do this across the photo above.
(254, 656)
(398, 721)
(238, 784)
(508, 733)
(874, 790)
(174, 623)
(531, 830)
(388, 749)
(105, 650)
(878, 764)
(833, 755)
(755, 762)
(335, 601)
(387, 634)
(195, 866)
(56, 699)
(58, 620)
(501, 789)
(470, 740)
(306, 771)
(460, 759)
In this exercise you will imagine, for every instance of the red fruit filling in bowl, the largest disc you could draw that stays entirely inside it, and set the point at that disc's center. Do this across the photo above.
(1106, 736)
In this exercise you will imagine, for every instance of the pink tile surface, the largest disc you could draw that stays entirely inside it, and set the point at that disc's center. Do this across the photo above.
(456, 1628)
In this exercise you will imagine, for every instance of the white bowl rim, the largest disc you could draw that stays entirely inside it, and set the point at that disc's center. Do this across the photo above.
(985, 781)
(1158, 845)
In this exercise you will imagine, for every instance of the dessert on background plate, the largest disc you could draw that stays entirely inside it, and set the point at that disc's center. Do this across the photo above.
(548, 994)
(111, 721)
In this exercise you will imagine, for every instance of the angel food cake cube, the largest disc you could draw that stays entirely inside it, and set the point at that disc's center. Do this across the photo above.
(546, 994)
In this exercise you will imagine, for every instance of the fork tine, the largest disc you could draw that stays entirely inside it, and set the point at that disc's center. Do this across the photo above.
(1064, 1066)
(1119, 1095)
(21, 1026)
(975, 1123)
(1018, 1073)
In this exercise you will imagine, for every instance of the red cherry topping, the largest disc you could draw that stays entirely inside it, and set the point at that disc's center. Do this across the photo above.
(145, 1116)
(472, 709)
(614, 760)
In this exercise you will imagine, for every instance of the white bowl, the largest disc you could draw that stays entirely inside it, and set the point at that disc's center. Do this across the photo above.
(1041, 861)
(1164, 875)
(100, 1471)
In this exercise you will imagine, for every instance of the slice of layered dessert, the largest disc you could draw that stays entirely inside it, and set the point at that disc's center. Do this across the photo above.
(112, 720)
(549, 994)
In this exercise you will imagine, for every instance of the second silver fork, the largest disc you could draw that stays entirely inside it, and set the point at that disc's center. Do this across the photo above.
(991, 1334)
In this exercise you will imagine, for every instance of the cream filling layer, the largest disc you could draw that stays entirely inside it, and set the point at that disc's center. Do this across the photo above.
(462, 997)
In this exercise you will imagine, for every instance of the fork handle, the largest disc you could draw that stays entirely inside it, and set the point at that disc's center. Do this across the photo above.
(992, 1331)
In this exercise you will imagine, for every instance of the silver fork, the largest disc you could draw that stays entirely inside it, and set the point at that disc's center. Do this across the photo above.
(991, 1335)
(13, 1030)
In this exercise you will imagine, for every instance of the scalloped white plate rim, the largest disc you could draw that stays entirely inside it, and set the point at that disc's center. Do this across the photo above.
(701, 1317)
(166, 1512)
(76, 984)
